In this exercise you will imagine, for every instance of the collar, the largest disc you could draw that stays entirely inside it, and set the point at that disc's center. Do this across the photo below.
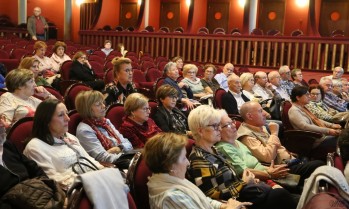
(253, 128)
(235, 94)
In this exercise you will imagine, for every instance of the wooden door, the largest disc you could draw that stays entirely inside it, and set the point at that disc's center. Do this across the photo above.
(128, 14)
(170, 15)
(271, 15)
(334, 16)
(217, 15)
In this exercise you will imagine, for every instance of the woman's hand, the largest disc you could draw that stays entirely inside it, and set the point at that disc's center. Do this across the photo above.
(234, 204)
(114, 150)
(188, 103)
(181, 85)
(248, 177)
(277, 171)
(336, 126)
(87, 63)
(334, 132)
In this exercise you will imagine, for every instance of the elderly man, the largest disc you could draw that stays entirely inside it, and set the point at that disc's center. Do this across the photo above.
(265, 146)
(286, 82)
(233, 99)
(36, 25)
(222, 78)
(275, 80)
(330, 98)
(262, 87)
(337, 73)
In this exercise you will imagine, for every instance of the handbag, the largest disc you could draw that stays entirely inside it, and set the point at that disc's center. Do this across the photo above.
(80, 167)
(255, 193)
(35, 193)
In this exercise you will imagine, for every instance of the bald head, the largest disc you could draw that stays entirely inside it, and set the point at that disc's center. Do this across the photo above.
(228, 69)
(37, 11)
(274, 78)
(261, 78)
(337, 72)
(253, 114)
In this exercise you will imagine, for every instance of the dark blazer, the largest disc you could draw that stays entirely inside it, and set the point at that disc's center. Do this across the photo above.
(164, 120)
(229, 103)
(174, 83)
(83, 73)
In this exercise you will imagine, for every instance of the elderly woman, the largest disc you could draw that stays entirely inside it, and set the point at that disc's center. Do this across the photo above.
(46, 64)
(301, 118)
(209, 83)
(122, 86)
(297, 77)
(247, 84)
(81, 70)
(33, 64)
(137, 126)
(193, 82)
(184, 93)
(58, 56)
(97, 134)
(215, 176)
(241, 157)
(167, 116)
(107, 47)
(52, 147)
(321, 110)
(19, 102)
(165, 155)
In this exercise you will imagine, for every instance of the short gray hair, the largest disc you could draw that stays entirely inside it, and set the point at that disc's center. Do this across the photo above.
(168, 66)
(201, 117)
(282, 69)
(323, 79)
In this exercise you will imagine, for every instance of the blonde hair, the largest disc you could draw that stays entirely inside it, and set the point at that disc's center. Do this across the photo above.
(39, 45)
(17, 78)
(188, 67)
(27, 62)
(78, 54)
(117, 62)
(84, 101)
(245, 77)
(133, 102)
(163, 150)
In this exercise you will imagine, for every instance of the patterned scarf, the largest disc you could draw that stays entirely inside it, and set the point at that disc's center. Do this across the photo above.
(106, 143)
(315, 120)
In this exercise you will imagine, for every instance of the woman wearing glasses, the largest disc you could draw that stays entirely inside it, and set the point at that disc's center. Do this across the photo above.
(215, 176)
(137, 126)
(81, 70)
(208, 81)
(241, 157)
(122, 85)
(97, 134)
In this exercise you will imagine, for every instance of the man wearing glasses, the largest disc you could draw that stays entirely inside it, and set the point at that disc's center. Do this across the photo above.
(330, 98)
(286, 82)
(37, 25)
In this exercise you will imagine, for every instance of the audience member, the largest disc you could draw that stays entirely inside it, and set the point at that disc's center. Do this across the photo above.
(286, 82)
(52, 147)
(209, 83)
(167, 116)
(136, 125)
(345, 93)
(297, 77)
(241, 157)
(19, 102)
(233, 98)
(337, 89)
(193, 82)
(302, 119)
(222, 77)
(267, 147)
(215, 176)
(81, 70)
(37, 25)
(330, 98)
(184, 92)
(46, 64)
(58, 56)
(179, 63)
(165, 155)
(97, 134)
(337, 73)
(262, 87)
(32, 64)
(343, 143)
(107, 47)
(122, 85)
(275, 80)
(321, 110)
(247, 83)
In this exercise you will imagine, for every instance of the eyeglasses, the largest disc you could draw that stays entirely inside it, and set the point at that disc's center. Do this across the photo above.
(146, 109)
(215, 126)
(191, 72)
(229, 124)
(208, 71)
(315, 94)
(83, 58)
(100, 103)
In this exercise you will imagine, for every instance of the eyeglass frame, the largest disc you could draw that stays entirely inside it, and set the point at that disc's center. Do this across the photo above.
(233, 121)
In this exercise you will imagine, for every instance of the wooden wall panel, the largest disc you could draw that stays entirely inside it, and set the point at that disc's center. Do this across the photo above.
(271, 15)
(128, 14)
(217, 15)
(170, 15)
(334, 15)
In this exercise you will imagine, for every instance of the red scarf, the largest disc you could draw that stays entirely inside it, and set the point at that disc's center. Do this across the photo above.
(106, 143)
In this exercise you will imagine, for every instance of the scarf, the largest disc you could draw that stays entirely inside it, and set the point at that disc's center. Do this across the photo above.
(313, 118)
(106, 143)
(162, 182)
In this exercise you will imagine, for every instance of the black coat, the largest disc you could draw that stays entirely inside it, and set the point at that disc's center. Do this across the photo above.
(83, 73)
(16, 168)
(164, 120)
(229, 103)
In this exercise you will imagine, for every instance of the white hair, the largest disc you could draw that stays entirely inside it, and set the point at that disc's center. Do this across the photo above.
(323, 79)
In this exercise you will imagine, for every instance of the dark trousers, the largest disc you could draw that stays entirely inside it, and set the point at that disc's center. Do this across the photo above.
(277, 199)
(41, 37)
(305, 169)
